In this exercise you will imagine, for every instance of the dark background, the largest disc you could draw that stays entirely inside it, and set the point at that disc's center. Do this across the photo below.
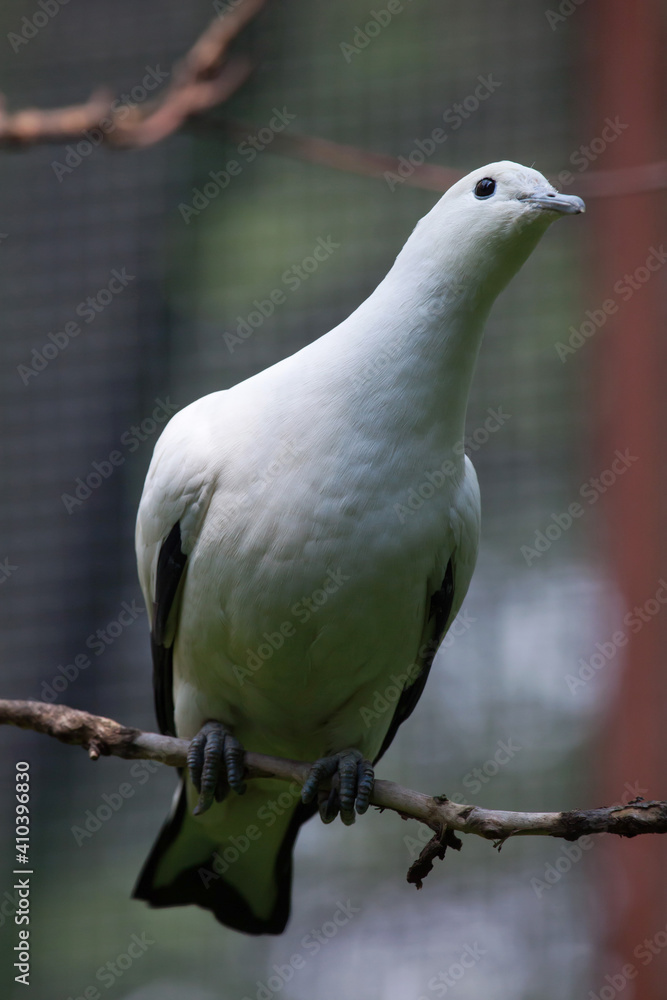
(505, 677)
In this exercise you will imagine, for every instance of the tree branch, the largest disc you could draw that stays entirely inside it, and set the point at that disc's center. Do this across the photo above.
(205, 78)
(101, 736)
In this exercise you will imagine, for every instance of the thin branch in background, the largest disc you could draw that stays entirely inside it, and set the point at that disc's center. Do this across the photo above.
(428, 176)
(103, 737)
(206, 78)
(325, 153)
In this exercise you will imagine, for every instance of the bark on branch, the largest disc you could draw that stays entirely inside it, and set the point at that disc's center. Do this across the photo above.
(103, 737)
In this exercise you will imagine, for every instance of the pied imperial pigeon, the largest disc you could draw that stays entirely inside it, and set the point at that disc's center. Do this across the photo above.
(287, 583)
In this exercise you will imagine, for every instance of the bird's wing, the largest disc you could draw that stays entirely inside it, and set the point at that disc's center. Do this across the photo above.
(168, 580)
(439, 607)
(175, 497)
(444, 600)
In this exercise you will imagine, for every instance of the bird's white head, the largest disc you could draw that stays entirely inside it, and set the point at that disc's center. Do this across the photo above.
(487, 224)
(509, 194)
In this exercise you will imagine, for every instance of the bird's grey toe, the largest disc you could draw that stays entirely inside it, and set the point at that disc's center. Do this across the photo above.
(215, 764)
(328, 803)
(351, 779)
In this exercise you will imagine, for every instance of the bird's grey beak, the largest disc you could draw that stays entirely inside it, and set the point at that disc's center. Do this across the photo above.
(566, 204)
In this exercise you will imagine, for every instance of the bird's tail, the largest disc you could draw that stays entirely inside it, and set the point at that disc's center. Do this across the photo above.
(235, 859)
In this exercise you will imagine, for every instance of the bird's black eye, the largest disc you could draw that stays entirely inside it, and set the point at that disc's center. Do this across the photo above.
(485, 188)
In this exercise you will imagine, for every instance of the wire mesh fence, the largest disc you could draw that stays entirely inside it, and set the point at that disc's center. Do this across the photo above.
(135, 282)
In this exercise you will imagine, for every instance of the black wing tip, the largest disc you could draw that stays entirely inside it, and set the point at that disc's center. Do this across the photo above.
(170, 568)
(439, 610)
(163, 693)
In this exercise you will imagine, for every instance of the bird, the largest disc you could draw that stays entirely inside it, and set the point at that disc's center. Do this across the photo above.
(288, 578)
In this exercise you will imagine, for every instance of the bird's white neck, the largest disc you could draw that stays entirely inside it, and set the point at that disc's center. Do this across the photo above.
(409, 351)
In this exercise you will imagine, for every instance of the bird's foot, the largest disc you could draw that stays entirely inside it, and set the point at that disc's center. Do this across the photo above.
(215, 764)
(352, 780)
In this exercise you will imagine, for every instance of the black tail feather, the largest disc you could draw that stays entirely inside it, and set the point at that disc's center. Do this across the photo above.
(214, 893)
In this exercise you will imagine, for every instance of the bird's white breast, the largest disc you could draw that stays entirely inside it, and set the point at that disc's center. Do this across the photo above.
(305, 590)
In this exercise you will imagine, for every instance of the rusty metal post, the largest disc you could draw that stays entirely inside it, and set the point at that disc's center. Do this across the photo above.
(626, 81)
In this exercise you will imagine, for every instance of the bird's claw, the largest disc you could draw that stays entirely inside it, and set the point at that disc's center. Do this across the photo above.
(352, 780)
(215, 764)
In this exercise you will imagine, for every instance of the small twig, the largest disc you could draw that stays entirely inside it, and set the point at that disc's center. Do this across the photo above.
(436, 848)
(103, 737)
(427, 176)
(204, 78)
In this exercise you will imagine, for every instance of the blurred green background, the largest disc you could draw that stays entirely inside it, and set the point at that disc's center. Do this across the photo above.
(501, 681)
